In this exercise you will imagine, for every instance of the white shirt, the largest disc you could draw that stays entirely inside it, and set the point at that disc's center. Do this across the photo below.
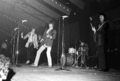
(32, 38)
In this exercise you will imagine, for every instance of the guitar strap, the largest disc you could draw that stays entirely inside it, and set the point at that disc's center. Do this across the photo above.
(101, 25)
(49, 31)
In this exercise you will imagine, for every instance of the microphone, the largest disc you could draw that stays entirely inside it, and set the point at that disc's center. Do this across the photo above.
(15, 29)
(65, 16)
(24, 21)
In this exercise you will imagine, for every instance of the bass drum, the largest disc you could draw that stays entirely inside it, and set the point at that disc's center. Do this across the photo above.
(69, 60)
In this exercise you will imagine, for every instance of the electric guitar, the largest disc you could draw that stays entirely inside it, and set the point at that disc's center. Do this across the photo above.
(46, 37)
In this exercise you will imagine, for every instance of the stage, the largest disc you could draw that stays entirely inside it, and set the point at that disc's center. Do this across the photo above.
(43, 73)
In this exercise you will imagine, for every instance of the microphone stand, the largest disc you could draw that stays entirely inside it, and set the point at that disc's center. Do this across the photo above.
(63, 57)
(58, 42)
(13, 46)
(17, 46)
(16, 52)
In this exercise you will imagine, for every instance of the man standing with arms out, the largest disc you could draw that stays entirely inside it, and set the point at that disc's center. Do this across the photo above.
(46, 42)
(31, 43)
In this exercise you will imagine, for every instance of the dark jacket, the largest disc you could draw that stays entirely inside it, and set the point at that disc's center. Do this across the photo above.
(102, 34)
(48, 41)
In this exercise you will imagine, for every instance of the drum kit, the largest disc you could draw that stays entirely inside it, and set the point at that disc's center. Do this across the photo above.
(73, 56)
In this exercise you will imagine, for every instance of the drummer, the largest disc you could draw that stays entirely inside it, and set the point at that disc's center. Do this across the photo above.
(83, 52)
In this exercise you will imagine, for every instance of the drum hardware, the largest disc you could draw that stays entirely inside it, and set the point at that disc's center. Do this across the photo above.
(76, 61)
(83, 59)
(76, 56)
(83, 64)
(81, 53)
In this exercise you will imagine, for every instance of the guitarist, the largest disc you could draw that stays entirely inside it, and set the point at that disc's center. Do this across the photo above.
(46, 42)
(101, 39)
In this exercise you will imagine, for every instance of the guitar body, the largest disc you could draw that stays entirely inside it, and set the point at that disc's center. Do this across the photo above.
(45, 37)
(43, 41)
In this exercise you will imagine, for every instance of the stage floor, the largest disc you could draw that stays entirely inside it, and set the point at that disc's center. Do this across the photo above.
(30, 73)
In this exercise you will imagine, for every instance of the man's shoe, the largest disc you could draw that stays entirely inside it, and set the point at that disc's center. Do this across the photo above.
(50, 66)
(27, 62)
(39, 67)
(33, 65)
(103, 70)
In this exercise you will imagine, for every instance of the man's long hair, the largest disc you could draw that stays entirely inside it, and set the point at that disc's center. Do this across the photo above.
(103, 15)
(52, 22)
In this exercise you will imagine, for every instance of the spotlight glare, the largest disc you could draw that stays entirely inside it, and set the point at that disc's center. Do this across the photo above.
(17, 52)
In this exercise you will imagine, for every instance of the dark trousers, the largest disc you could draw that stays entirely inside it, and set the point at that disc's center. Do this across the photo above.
(107, 55)
(101, 57)
(30, 53)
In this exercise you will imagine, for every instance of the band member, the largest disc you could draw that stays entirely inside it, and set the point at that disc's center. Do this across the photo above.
(46, 42)
(31, 43)
(101, 39)
(83, 53)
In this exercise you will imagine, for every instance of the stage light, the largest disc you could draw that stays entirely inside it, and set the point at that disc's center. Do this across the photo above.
(65, 16)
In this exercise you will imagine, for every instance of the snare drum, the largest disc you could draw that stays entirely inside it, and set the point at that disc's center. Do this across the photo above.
(71, 50)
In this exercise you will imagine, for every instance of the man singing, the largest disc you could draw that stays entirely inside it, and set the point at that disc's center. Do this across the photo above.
(46, 42)
(31, 43)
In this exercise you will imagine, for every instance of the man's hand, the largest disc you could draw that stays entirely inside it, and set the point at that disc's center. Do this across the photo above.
(22, 35)
(49, 36)
(90, 18)
(93, 28)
